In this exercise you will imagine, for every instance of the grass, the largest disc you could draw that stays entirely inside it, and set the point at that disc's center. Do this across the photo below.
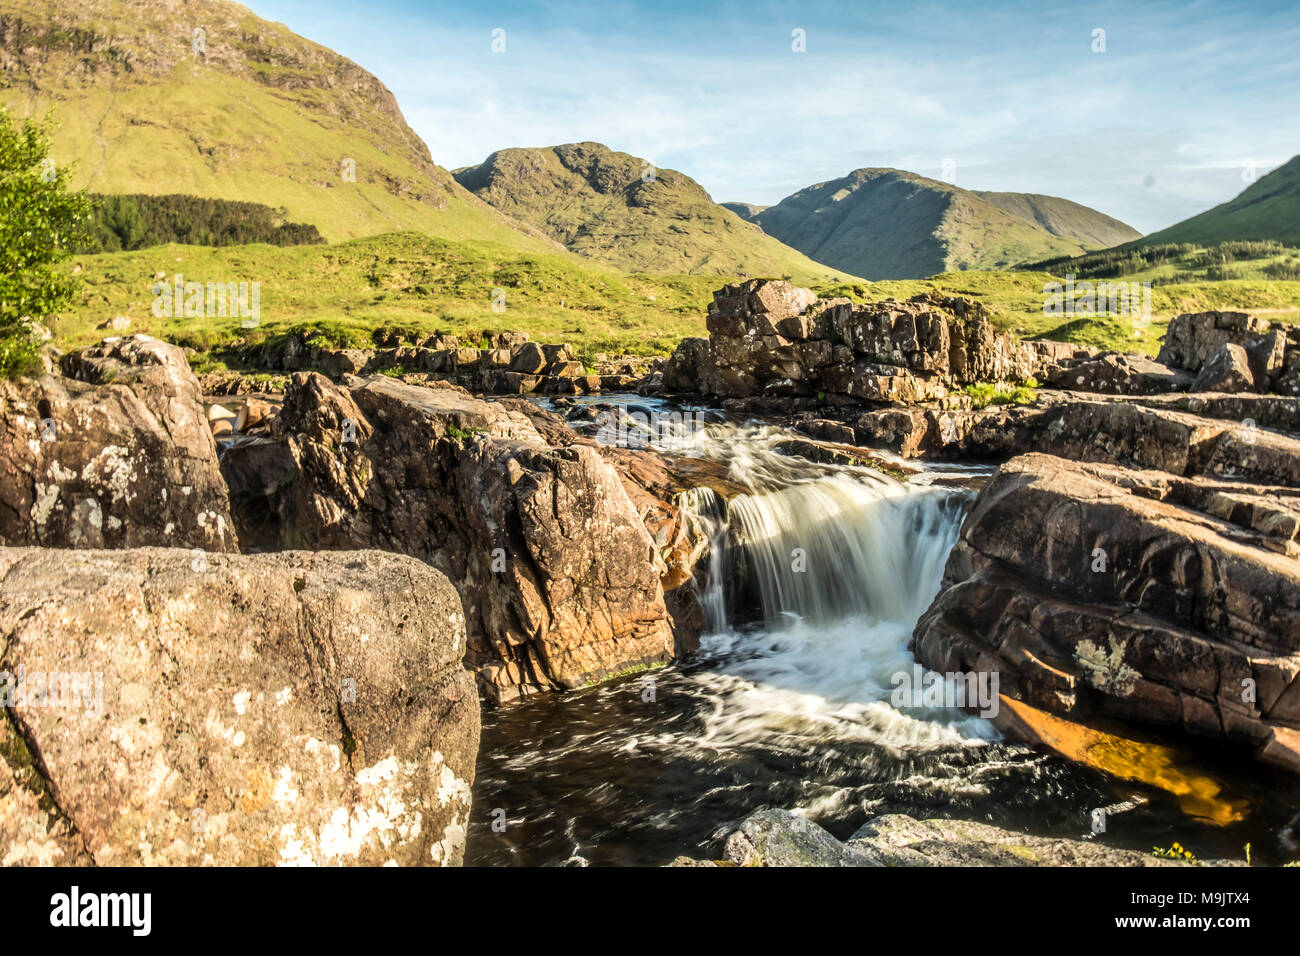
(408, 282)
(983, 394)
(420, 285)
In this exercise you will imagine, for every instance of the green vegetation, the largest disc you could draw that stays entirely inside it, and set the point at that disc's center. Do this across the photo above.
(413, 285)
(262, 116)
(1174, 263)
(408, 286)
(983, 394)
(39, 220)
(139, 221)
(934, 227)
(619, 210)
(1175, 852)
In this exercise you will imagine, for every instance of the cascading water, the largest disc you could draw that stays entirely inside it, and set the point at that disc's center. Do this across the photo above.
(816, 576)
(815, 579)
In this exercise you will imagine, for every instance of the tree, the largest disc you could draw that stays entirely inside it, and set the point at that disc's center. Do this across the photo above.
(41, 220)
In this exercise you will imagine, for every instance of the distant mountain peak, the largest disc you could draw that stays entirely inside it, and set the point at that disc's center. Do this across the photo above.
(884, 223)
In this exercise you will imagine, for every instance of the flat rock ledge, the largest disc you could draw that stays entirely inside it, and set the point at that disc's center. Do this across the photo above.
(167, 708)
(784, 838)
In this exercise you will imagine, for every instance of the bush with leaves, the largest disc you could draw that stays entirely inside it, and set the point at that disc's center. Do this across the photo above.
(41, 220)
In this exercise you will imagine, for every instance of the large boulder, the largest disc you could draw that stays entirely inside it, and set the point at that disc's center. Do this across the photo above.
(560, 578)
(1192, 338)
(236, 710)
(768, 337)
(1227, 370)
(118, 455)
(1099, 591)
(782, 838)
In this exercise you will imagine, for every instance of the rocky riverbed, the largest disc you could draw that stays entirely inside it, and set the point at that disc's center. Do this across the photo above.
(289, 610)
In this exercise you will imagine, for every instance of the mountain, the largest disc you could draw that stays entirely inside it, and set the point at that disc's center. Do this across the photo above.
(618, 209)
(891, 224)
(1061, 217)
(745, 210)
(204, 98)
(1268, 208)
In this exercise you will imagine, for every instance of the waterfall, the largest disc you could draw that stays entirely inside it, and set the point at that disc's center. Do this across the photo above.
(818, 543)
(816, 576)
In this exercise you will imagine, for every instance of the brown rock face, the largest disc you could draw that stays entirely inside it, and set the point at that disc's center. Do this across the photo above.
(117, 457)
(1093, 590)
(559, 577)
(1192, 338)
(769, 337)
(1227, 370)
(247, 710)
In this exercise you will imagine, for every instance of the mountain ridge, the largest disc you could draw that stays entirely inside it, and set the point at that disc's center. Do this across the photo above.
(619, 209)
(884, 223)
(203, 97)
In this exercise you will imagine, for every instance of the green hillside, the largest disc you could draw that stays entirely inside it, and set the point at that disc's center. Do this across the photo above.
(254, 114)
(405, 280)
(890, 224)
(1268, 208)
(1061, 217)
(412, 281)
(617, 209)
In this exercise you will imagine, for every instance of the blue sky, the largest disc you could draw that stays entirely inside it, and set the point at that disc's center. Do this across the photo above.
(1186, 100)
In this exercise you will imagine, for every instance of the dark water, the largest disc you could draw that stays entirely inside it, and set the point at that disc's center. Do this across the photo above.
(788, 704)
(608, 777)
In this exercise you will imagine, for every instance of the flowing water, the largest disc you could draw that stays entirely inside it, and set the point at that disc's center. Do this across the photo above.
(814, 581)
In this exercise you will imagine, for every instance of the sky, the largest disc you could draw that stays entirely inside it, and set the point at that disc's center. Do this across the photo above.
(1172, 108)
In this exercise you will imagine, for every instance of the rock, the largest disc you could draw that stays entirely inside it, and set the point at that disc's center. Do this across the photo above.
(560, 579)
(1266, 356)
(1116, 374)
(509, 340)
(120, 458)
(252, 413)
(528, 359)
(782, 838)
(218, 413)
(568, 370)
(242, 711)
(1192, 338)
(118, 323)
(1099, 591)
(771, 338)
(340, 362)
(688, 368)
(896, 839)
(1227, 370)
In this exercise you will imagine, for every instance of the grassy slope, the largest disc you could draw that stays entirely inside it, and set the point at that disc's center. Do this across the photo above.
(265, 117)
(401, 279)
(1267, 209)
(1064, 218)
(594, 201)
(411, 280)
